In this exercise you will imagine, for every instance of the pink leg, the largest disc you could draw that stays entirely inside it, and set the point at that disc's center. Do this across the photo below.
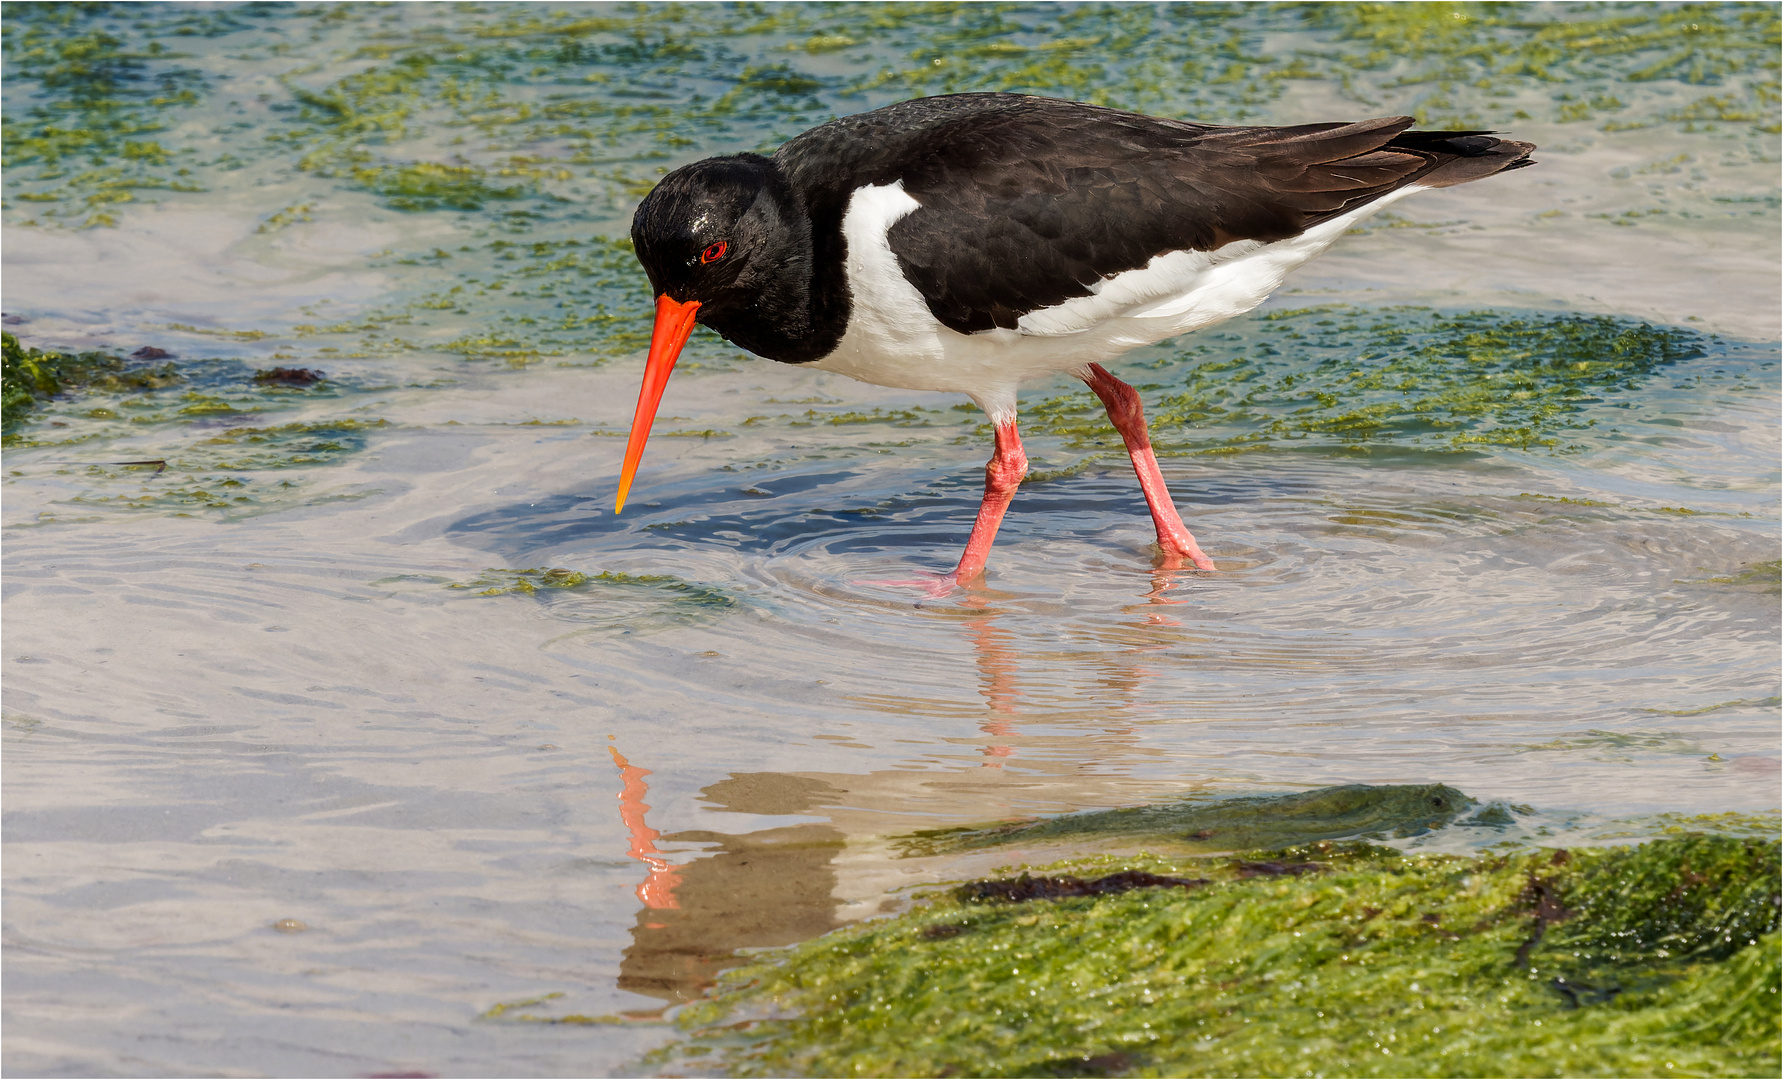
(1122, 403)
(1001, 477)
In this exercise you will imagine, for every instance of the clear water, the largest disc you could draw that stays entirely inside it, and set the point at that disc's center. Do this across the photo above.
(304, 674)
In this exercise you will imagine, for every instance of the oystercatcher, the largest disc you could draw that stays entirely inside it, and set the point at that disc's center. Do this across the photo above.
(971, 242)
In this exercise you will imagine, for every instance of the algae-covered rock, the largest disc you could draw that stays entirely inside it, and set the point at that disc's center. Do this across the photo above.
(1236, 824)
(28, 376)
(1654, 960)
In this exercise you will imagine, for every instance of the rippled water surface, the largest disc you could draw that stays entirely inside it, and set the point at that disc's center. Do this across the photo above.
(1492, 488)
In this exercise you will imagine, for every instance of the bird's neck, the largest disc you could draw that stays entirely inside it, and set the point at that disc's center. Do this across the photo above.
(803, 303)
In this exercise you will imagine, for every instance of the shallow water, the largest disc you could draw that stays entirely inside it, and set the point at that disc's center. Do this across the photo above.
(313, 670)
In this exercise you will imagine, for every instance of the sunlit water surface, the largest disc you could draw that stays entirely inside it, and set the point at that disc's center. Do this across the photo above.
(313, 670)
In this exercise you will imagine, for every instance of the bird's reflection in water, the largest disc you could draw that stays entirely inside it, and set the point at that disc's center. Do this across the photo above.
(1125, 672)
(781, 886)
(658, 890)
(1162, 582)
(993, 647)
(773, 887)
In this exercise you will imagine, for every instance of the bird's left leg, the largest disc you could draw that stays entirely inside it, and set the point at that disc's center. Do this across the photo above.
(1124, 409)
(1001, 477)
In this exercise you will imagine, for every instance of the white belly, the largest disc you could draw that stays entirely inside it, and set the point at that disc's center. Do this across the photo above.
(893, 340)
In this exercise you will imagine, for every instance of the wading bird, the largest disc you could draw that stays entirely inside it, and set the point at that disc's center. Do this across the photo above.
(972, 242)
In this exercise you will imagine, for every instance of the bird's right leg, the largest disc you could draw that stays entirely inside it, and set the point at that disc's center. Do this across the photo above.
(1008, 464)
(1128, 416)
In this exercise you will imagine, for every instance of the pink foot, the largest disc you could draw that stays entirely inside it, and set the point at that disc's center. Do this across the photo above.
(1172, 552)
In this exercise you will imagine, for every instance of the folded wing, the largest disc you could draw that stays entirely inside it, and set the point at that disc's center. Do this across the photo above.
(1029, 202)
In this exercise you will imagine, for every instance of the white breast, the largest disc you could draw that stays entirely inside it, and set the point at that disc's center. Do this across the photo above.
(893, 339)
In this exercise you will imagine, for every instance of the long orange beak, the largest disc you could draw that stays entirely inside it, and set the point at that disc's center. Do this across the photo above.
(674, 322)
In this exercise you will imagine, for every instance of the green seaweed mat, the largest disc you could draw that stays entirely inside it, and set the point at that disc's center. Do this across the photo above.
(1657, 960)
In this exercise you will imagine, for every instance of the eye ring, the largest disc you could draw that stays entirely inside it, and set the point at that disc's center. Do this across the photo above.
(714, 252)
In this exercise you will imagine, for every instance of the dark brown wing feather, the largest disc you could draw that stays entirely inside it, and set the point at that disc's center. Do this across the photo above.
(1027, 201)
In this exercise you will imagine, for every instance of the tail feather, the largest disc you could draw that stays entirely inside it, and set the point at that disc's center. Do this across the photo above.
(1307, 174)
(1461, 156)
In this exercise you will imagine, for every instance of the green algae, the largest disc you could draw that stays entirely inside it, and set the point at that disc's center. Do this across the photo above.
(427, 185)
(1657, 959)
(85, 138)
(533, 128)
(141, 396)
(287, 446)
(1621, 745)
(285, 216)
(510, 1012)
(604, 604)
(1403, 376)
(1230, 824)
(614, 597)
(523, 582)
(30, 377)
(199, 465)
(538, 126)
(231, 496)
(1752, 826)
(1498, 47)
(549, 110)
(508, 79)
(575, 296)
(1761, 703)
(218, 332)
(1761, 577)
(187, 420)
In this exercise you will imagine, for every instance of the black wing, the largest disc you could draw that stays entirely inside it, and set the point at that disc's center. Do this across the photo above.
(1027, 201)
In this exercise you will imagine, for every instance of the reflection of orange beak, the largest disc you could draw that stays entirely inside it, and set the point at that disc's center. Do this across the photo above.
(674, 322)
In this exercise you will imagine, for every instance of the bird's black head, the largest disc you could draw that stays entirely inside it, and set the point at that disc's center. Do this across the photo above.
(727, 243)
(726, 233)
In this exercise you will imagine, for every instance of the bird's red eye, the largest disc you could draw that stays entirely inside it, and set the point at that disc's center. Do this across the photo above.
(714, 252)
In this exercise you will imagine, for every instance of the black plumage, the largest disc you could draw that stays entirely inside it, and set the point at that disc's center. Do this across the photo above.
(1025, 202)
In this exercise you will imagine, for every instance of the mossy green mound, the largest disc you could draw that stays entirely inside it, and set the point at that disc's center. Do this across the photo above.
(1653, 960)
